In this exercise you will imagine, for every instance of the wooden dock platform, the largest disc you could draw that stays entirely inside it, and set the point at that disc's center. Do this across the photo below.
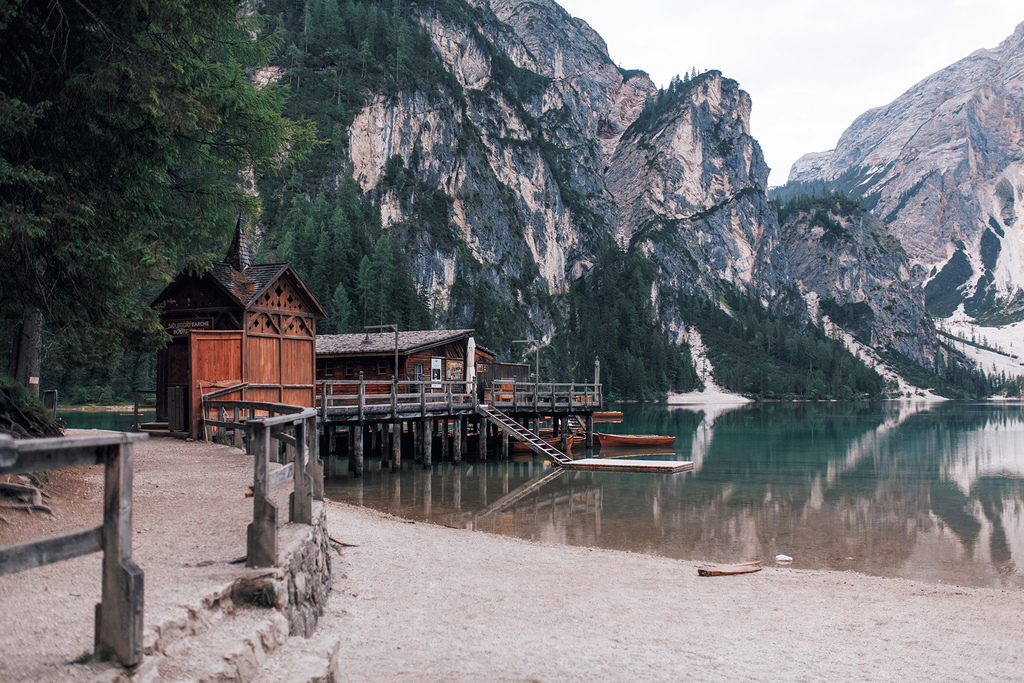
(623, 465)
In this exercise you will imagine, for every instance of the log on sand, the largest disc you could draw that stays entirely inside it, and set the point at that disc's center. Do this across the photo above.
(729, 569)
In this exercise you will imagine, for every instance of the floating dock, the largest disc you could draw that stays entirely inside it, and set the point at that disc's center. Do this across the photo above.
(623, 465)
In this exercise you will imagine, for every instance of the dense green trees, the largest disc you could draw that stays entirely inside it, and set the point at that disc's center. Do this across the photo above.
(611, 317)
(770, 354)
(124, 128)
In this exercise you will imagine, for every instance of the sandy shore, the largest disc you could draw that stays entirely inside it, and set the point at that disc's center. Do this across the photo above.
(421, 602)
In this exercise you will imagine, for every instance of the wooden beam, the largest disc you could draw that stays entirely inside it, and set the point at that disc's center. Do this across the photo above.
(281, 475)
(22, 556)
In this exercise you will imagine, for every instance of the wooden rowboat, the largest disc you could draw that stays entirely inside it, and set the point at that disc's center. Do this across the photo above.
(633, 440)
(608, 416)
(553, 441)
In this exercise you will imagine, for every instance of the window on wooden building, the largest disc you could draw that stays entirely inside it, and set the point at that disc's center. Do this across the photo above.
(417, 373)
(382, 367)
(329, 368)
(350, 369)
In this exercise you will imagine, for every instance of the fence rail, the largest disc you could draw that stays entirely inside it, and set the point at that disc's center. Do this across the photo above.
(361, 399)
(262, 423)
(409, 399)
(544, 396)
(119, 615)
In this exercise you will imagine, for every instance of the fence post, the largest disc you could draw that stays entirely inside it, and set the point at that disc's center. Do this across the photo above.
(315, 465)
(301, 499)
(119, 615)
(515, 402)
(423, 399)
(261, 536)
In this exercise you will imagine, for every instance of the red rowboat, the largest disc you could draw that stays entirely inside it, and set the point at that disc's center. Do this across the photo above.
(633, 440)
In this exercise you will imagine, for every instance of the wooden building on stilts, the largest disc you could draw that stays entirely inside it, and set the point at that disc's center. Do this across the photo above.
(238, 324)
(384, 393)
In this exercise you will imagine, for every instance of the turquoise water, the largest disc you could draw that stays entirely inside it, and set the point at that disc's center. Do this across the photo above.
(103, 419)
(933, 492)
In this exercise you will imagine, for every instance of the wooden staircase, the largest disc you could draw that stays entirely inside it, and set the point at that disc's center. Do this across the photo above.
(522, 434)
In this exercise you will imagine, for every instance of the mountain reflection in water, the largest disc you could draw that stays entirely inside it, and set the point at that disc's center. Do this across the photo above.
(933, 492)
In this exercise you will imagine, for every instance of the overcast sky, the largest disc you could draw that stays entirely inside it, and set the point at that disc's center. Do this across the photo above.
(811, 67)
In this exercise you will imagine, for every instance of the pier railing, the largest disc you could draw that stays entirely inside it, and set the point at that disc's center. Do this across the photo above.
(510, 395)
(367, 399)
(118, 627)
(386, 399)
(262, 424)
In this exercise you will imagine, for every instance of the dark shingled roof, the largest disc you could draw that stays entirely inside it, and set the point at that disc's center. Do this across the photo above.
(247, 286)
(384, 342)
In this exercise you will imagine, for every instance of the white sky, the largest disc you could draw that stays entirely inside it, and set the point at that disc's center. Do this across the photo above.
(811, 67)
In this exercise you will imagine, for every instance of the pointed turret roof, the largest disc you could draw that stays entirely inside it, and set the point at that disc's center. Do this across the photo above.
(238, 256)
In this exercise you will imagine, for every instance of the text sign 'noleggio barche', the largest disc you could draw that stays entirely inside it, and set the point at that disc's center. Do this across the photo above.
(176, 328)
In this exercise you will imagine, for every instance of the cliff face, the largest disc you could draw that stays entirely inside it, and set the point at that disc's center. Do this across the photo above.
(858, 276)
(943, 165)
(520, 163)
(688, 183)
(504, 187)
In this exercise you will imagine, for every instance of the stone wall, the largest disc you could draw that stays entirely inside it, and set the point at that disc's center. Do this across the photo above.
(299, 585)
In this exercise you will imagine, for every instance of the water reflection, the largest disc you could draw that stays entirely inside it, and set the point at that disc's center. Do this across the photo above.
(925, 491)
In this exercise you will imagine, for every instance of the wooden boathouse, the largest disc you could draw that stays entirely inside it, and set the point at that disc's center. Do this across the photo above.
(445, 392)
(238, 324)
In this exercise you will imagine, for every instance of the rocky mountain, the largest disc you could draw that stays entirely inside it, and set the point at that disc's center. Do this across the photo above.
(857, 275)
(538, 190)
(943, 166)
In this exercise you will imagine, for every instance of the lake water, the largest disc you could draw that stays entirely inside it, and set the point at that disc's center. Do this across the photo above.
(933, 492)
(104, 419)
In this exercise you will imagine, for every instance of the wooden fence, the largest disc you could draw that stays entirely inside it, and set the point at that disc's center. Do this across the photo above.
(550, 397)
(386, 400)
(118, 629)
(361, 400)
(263, 423)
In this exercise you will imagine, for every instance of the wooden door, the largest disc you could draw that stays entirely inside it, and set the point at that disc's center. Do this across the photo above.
(216, 362)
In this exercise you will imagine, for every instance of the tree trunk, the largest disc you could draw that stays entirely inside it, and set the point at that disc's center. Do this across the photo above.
(28, 351)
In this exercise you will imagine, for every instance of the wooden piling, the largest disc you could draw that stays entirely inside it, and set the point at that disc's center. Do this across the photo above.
(417, 440)
(457, 441)
(483, 428)
(351, 448)
(396, 446)
(428, 439)
(504, 445)
(444, 440)
(564, 433)
(357, 451)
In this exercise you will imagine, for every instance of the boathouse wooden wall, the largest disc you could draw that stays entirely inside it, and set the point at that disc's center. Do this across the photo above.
(268, 342)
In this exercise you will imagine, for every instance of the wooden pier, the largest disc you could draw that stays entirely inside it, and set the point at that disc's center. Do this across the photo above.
(387, 417)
